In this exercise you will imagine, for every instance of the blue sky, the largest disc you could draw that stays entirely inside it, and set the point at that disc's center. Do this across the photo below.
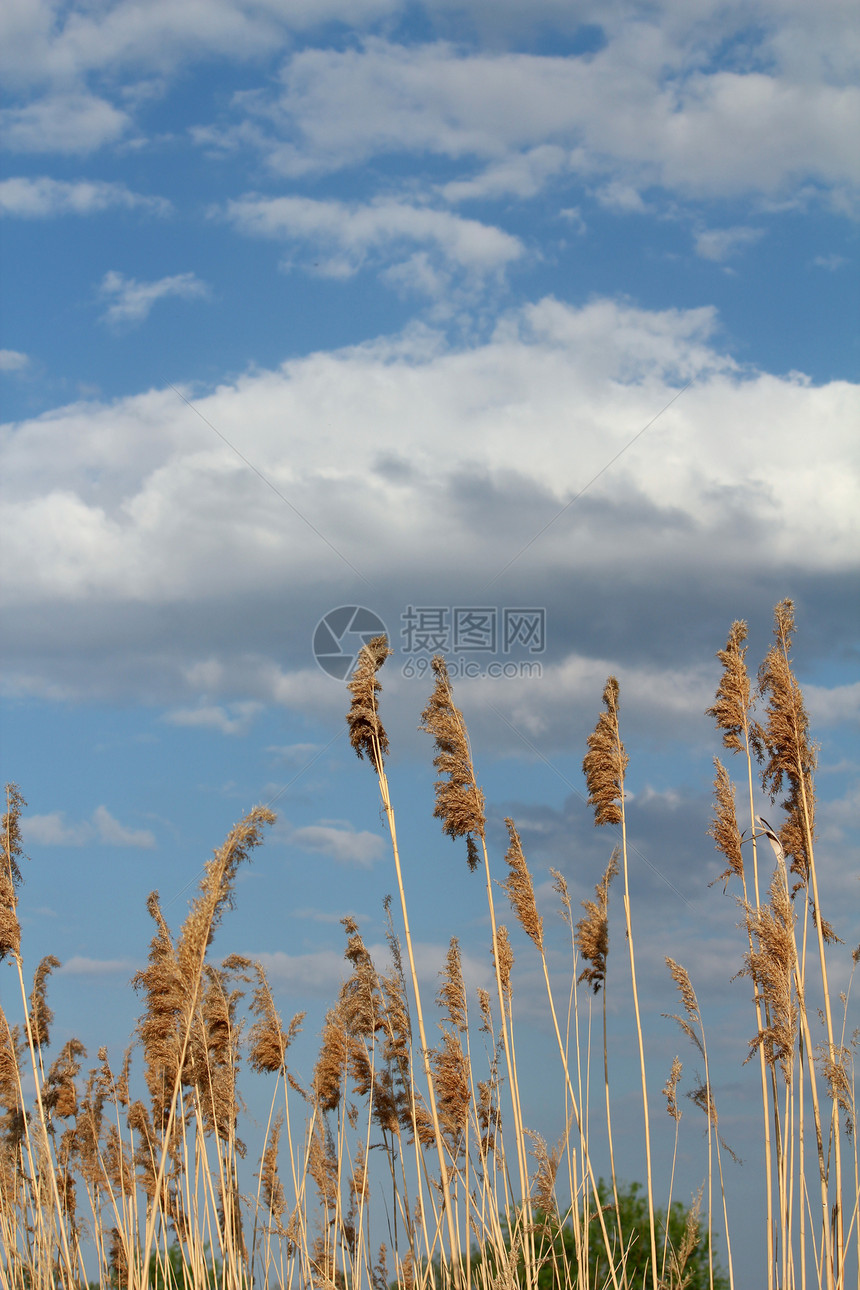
(428, 269)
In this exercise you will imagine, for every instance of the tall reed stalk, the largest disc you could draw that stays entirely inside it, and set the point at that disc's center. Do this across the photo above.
(604, 765)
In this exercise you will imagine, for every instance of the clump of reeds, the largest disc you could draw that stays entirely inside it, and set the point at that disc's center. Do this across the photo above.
(780, 748)
(139, 1175)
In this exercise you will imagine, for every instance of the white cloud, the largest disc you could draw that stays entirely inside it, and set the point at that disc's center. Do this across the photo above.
(344, 236)
(313, 915)
(621, 197)
(12, 360)
(294, 754)
(573, 215)
(521, 175)
(110, 832)
(54, 830)
(318, 973)
(676, 97)
(832, 705)
(66, 123)
(321, 972)
(134, 521)
(430, 962)
(654, 698)
(37, 198)
(829, 262)
(234, 719)
(133, 300)
(338, 840)
(38, 41)
(720, 244)
(80, 965)
(641, 111)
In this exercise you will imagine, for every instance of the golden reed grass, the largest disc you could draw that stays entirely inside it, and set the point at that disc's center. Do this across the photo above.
(138, 1176)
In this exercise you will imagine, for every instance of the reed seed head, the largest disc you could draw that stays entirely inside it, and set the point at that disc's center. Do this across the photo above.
(543, 1182)
(11, 1048)
(122, 1093)
(420, 1119)
(59, 1095)
(485, 1010)
(489, 1114)
(326, 1274)
(175, 975)
(837, 1068)
(66, 1183)
(117, 1259)
(166, 1002)
(397, 1045)
(592, 932)
(679, 1258)
(229, 1213)
(459, 800)
(322, 1163)
(606, 761)
(88, 1130)
(41, 1016)
(330, 1069)
(520, 888)
(505, 963)
(670, 1090)
(270, 1182)
(366, 732)
(560, 887)
(790, 755)
(10, 873)
(117, 1163)
(214, 1061)
(215, 893)
(681, 977)
(406, 1274)
(733, 704)
(386, 1106)
(147, 1151)
(12, 1122)
(724, 825)
(360, 1001)
(701, 1097)
(379, 1273)
(771, 965)
(452, 994)
(451, 1086)
(268, 1041)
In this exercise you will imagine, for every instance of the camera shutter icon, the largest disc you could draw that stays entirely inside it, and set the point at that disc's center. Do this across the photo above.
(340, 635)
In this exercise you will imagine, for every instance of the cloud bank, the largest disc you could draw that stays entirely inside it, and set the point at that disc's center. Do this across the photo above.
(401, 453)
(54, 830)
